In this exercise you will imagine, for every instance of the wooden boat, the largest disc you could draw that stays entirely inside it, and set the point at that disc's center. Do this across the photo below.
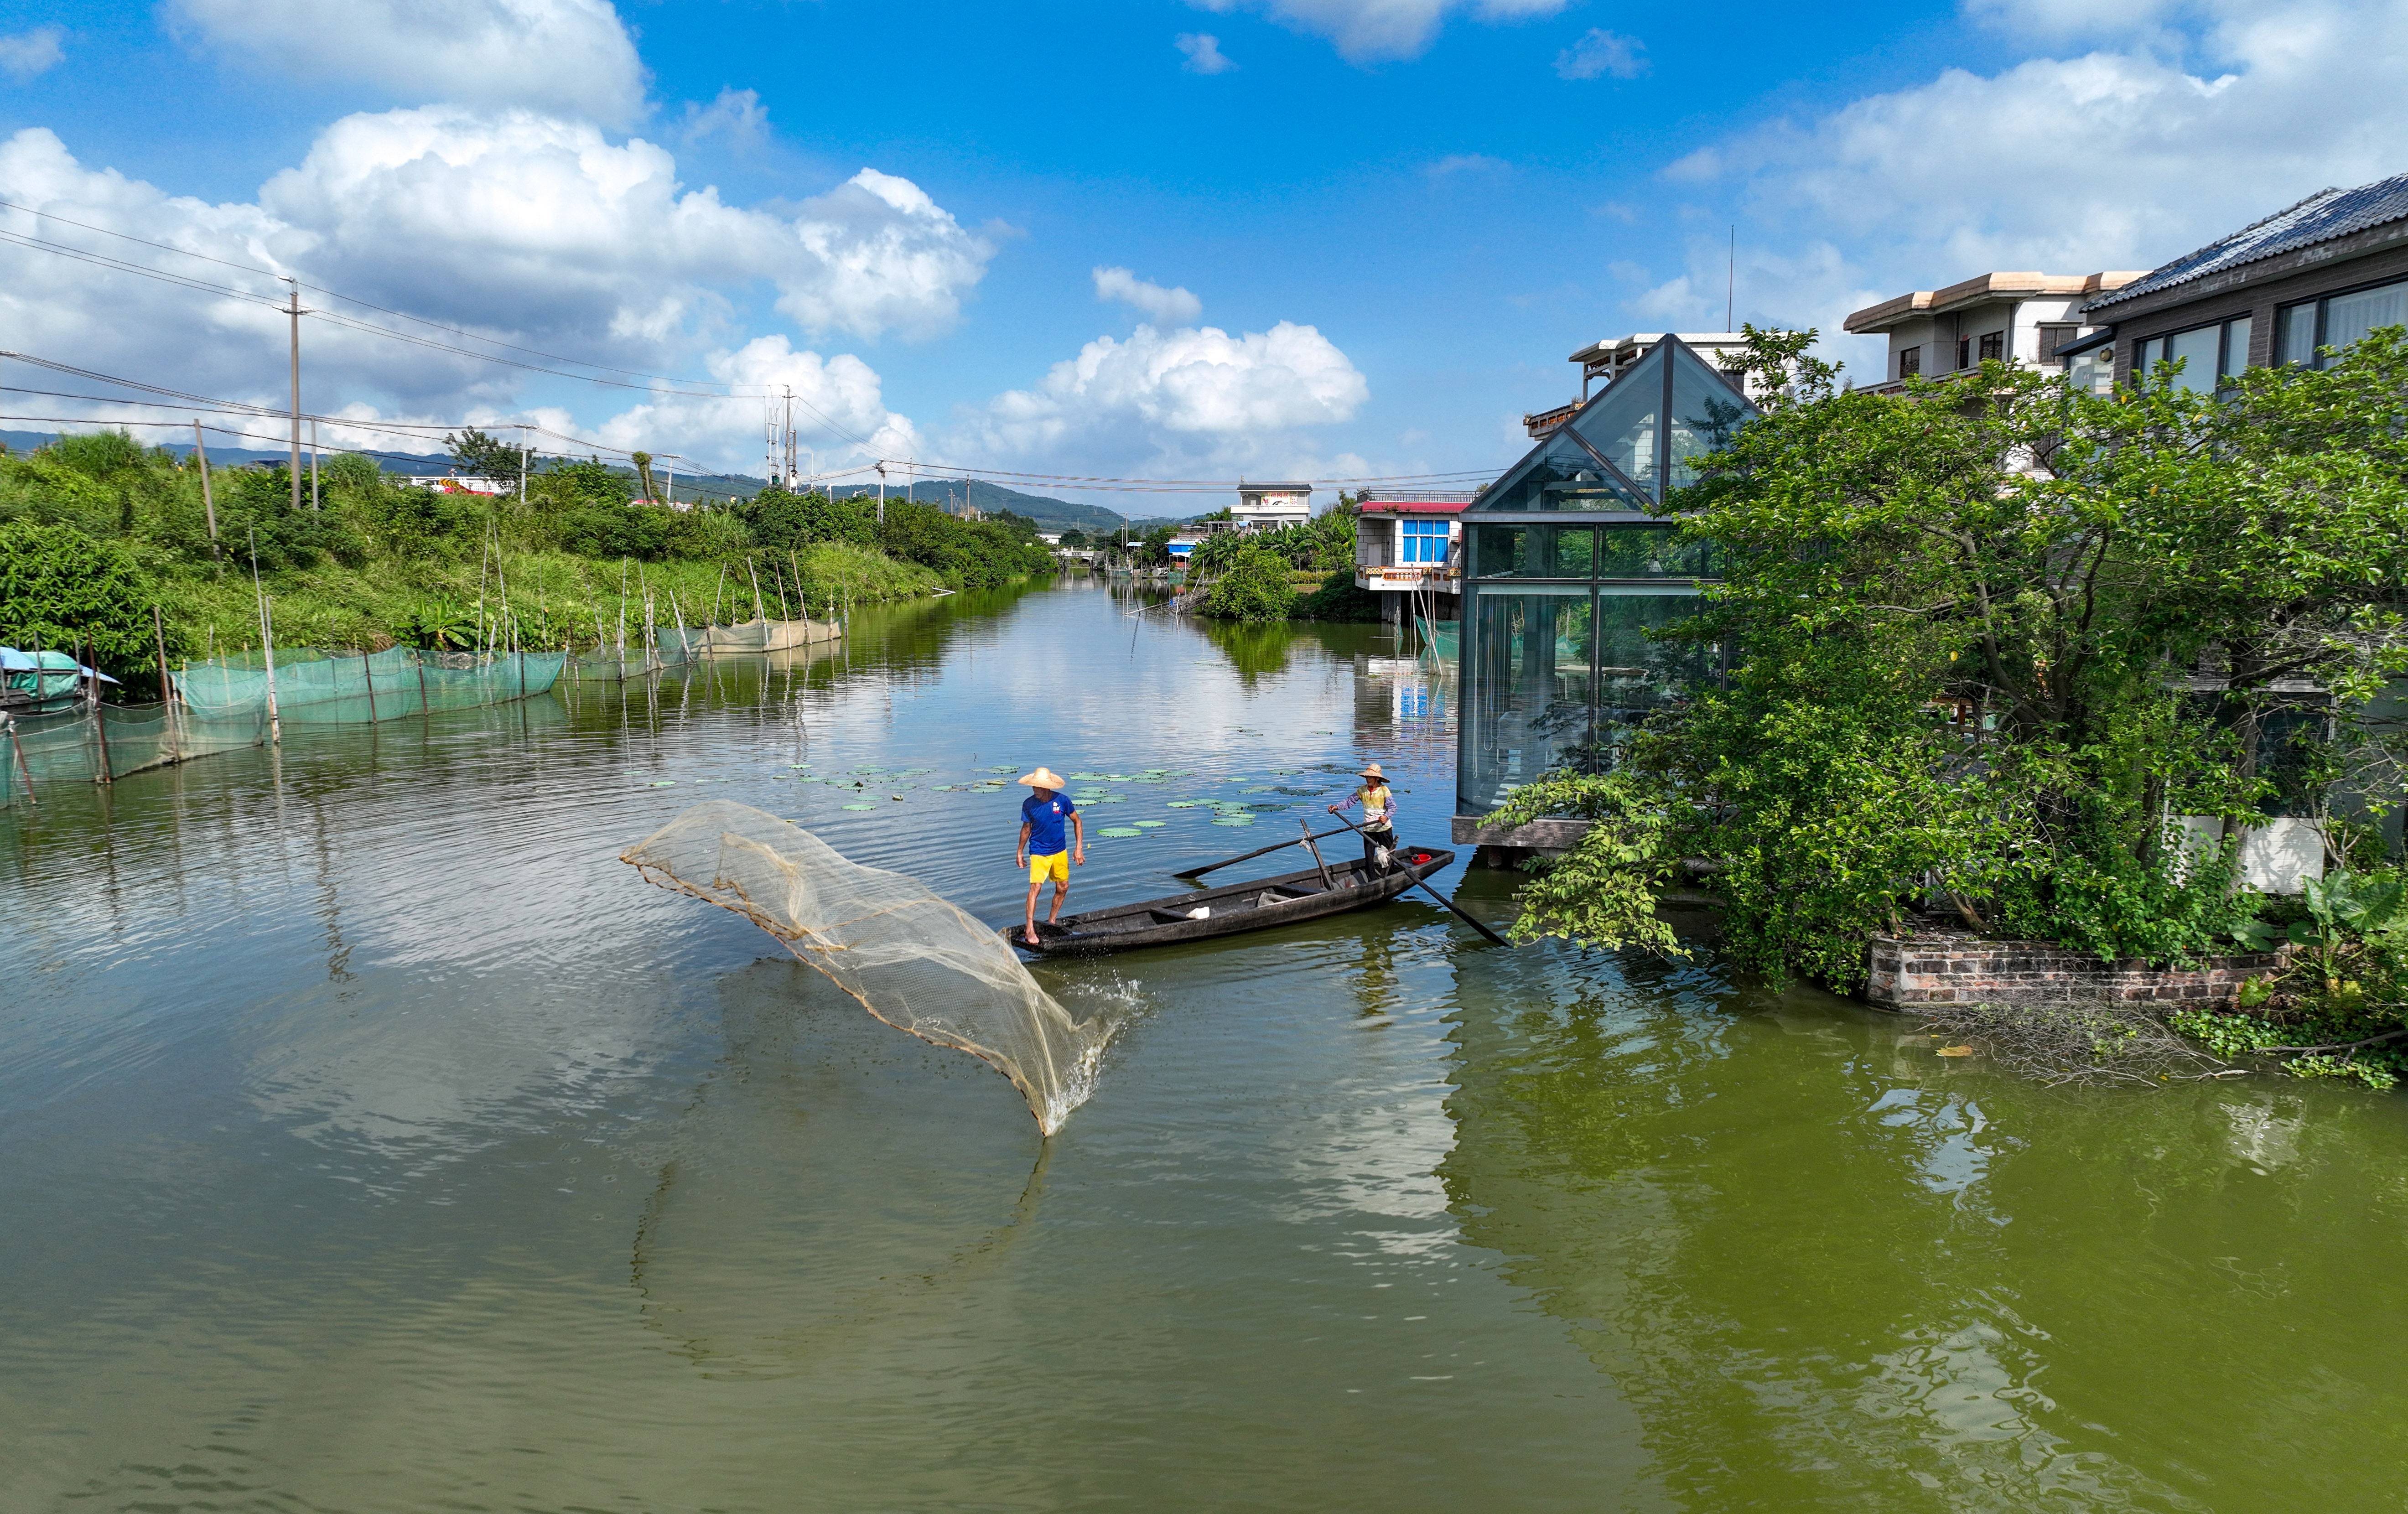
(1230, 909)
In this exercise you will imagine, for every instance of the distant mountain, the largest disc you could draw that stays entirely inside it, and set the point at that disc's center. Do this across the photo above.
(1050, 514)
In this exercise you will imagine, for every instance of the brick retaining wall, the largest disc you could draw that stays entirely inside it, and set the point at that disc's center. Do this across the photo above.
(1957, 968)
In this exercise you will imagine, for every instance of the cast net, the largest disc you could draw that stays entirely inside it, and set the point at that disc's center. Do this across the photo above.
(912, 958)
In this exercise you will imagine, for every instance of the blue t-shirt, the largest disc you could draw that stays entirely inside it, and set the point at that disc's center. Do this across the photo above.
(1047, 820)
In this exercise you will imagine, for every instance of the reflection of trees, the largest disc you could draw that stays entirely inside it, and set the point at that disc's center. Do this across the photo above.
(1253, 651)
(1822, 1274)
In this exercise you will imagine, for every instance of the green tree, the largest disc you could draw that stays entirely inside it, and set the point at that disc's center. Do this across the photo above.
(1254, 588)
(479, 456)
(74, 593)
(1989, 639)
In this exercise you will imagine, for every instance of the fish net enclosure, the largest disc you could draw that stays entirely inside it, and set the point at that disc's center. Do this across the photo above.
(910, 958)
(221, 706)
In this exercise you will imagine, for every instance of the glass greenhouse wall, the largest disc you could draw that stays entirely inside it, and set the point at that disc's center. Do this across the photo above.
(1568, 566)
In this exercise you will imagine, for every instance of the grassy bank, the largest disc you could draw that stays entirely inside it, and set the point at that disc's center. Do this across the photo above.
(556, 597)
(96, 532)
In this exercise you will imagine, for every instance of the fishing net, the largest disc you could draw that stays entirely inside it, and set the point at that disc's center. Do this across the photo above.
(912, 958)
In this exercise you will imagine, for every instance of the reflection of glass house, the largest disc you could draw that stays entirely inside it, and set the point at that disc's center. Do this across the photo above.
(1568, 565)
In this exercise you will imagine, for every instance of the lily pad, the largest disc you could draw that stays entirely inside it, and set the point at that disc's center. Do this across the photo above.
(1083, 778)
(869, 769)
(1120, 830)
(1185, 803)
(1233, 819)
(861, 807)
(663, 783)
(1148, 825)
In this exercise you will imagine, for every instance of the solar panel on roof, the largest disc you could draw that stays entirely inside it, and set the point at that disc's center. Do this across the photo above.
(2321, 217)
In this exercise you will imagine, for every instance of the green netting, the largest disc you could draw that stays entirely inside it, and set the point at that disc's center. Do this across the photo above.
(222, 705)
(318, 687)
(750, 636)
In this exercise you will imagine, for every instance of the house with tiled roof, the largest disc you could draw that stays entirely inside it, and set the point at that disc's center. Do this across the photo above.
(2316, 276)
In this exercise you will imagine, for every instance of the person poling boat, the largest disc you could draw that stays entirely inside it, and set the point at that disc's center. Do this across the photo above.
(1379, 829)
(1044, 816)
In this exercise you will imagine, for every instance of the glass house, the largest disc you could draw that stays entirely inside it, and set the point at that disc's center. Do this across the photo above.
(1568, 562)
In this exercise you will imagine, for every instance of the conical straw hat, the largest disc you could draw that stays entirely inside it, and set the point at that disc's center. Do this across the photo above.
(1044, 778)
(1371, 770)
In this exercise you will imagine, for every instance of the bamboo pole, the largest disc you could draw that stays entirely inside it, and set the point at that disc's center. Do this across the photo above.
(166, 685)
(17, 743)
(99, 727)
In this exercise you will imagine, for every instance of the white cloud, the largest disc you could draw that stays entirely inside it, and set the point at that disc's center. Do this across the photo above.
(1164, 307)
(1466, 163)
(838, 411)
(533, 230)
(1370, 31)
(1601, 52)
(569, 55)
(738, 115)
(1164, 403)
(1204, 55)
(526, 223)
(2114, 159)
(25, 54)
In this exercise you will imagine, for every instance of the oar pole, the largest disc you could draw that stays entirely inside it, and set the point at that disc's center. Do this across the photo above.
(1326, 881)
(1442, 898)
(1214, 867)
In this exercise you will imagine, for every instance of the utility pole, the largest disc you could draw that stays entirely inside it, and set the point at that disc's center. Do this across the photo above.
(209, 505)
(296, 312)
(882, 494)
(789, 436)
(523, 445)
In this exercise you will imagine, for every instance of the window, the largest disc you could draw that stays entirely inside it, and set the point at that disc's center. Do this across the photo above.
(2209, 354)
(1994, 345)
(1964, 352)
(2338, 321)
(2053, 337)
(1909, 362)
(1421, 543)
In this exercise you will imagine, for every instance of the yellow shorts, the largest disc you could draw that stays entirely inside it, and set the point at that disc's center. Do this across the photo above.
(1056, 865)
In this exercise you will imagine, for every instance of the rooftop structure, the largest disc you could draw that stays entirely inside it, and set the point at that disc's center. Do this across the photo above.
(1608, 359)
(1264, 507)
(2017, 317)
(2314, 276)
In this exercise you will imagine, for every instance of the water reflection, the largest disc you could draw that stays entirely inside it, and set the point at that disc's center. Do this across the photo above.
(1827, 1266)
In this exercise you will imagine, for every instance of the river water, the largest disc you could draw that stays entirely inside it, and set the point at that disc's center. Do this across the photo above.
(376, 1141)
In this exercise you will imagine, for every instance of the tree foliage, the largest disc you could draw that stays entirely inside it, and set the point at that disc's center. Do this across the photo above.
(1252, 587)
(73, 593)
(1991, 638)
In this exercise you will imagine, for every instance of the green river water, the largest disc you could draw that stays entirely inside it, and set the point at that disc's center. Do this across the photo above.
(376, 1141)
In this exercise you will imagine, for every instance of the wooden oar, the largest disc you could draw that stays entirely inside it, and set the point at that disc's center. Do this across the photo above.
(1214, 867)
(1440, 897)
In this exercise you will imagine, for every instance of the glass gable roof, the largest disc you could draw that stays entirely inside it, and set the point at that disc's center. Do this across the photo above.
(1613, 454)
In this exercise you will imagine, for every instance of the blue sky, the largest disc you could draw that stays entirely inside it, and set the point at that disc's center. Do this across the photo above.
(1354, 237)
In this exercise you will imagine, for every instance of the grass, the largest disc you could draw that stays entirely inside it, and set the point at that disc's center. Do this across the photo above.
(555, 596)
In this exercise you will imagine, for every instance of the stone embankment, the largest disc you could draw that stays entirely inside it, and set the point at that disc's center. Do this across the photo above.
(1945, 966)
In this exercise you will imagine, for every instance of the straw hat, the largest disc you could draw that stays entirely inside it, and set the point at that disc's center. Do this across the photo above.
(1044, 778)
(1371, 770)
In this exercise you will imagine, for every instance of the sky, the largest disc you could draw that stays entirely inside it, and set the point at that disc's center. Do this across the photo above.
(1148, 239)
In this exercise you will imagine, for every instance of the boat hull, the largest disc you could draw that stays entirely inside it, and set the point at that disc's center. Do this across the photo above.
(1256, 905)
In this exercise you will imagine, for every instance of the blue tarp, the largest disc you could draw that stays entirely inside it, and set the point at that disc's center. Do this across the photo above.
(13, 660)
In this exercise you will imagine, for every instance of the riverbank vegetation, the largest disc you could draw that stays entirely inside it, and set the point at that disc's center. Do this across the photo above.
(1255, 575)
(2030, 658)
(95, 530)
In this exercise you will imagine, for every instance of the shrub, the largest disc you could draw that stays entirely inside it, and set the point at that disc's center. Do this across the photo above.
(1255, 587)
(71, 591)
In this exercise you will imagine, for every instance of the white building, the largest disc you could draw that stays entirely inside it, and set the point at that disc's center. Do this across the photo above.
(2016, 317)
(450, 483)
(1266, 507)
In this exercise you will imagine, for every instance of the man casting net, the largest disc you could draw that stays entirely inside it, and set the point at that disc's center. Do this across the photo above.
(912, 960)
